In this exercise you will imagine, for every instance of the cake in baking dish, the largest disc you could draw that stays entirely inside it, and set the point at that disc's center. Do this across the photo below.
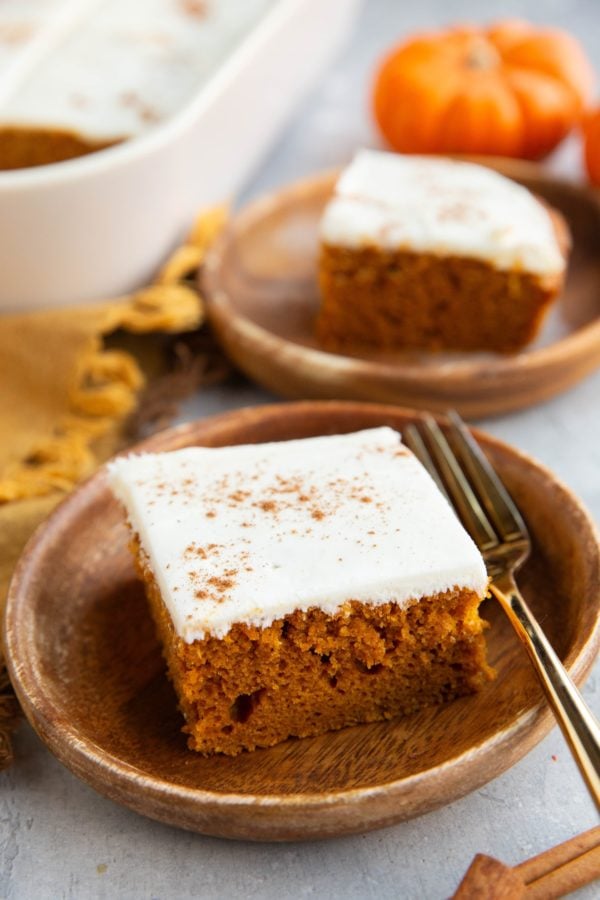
(432, 253)
(303, 586)
(79, 76)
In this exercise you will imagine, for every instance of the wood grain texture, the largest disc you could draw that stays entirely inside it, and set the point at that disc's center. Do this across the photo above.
(88, 670)
(261, 288)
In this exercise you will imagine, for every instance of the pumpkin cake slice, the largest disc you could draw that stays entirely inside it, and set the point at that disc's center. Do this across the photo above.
(431, 253)
(303, 586)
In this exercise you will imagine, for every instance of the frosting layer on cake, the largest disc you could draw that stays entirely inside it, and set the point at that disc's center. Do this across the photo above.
(441, 206)
(252, 533)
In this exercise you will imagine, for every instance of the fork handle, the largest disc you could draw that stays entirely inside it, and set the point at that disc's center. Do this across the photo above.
(578, 725)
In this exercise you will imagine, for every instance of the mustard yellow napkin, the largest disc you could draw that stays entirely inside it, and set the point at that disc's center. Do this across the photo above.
(65, 395)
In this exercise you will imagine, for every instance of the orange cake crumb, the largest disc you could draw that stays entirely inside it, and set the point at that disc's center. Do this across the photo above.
(371, 298)
(312, 672)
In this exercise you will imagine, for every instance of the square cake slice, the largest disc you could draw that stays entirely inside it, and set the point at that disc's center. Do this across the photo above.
(303, 586)
(435, 254)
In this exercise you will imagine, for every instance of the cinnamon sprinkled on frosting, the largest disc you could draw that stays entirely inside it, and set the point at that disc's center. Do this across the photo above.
(443, 207)
(133, 63)
(252, 533)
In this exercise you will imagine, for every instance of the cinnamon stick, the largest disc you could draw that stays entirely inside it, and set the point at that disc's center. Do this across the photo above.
(565, 879)
(546, 862)
(489, 879)
(554, 873)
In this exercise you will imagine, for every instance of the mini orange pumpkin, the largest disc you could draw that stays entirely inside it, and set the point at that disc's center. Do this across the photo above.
(511, 90)
(591, 145)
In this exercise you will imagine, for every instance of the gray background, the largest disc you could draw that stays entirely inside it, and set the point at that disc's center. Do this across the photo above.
(59, 839)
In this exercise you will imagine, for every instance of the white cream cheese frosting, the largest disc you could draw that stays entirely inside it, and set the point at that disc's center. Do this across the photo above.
(110, 69)
(252, 533)
(441, 206)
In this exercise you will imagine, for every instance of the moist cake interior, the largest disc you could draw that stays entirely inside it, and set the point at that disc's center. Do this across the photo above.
(312, 672)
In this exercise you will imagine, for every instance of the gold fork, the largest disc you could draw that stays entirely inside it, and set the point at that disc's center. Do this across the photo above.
(489, 514)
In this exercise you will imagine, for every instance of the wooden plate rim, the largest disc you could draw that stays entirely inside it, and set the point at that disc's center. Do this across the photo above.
(535, 722)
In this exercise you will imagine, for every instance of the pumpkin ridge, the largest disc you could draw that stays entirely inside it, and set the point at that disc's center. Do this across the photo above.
(529, 89)
(511, 89)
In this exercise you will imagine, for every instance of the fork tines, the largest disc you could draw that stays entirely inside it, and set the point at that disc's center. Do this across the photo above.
(460, 468)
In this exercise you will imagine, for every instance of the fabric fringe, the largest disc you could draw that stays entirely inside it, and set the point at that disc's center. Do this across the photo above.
(108, 382)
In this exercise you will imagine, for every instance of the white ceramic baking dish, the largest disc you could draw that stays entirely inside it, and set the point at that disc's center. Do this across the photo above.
(100, 225)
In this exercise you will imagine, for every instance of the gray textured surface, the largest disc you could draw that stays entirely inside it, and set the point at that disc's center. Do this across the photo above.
(59, 839)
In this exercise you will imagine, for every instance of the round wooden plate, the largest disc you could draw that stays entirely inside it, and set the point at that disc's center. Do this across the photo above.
(261, 287)
(88, 671)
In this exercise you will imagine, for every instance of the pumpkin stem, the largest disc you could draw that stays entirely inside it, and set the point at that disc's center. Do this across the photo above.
(481, 54)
